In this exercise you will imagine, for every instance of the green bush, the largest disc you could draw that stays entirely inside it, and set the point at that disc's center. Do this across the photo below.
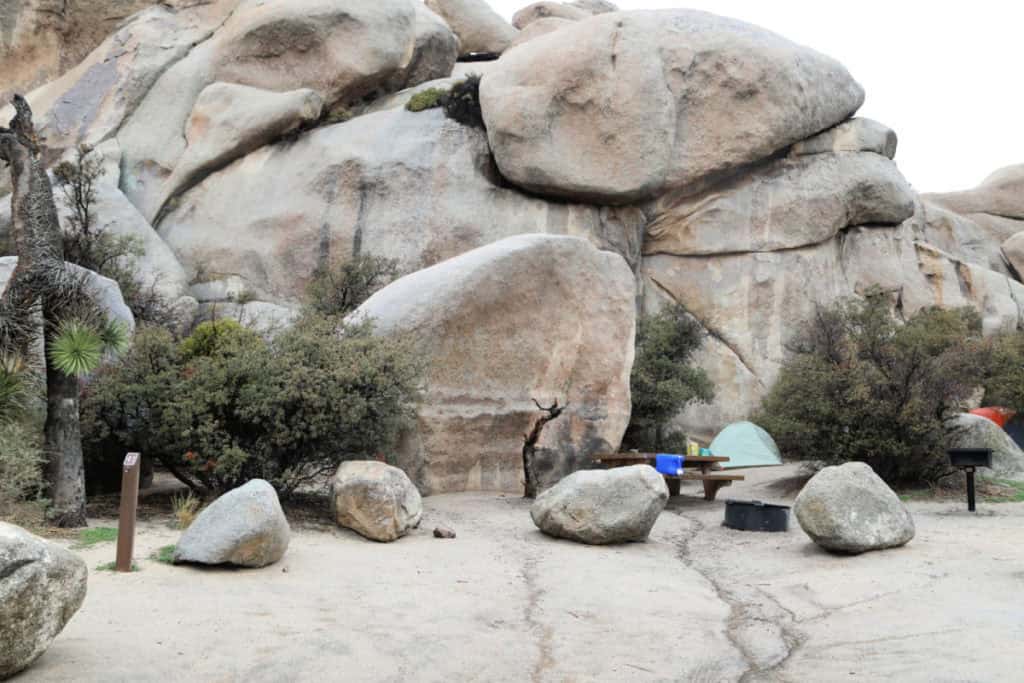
(340, 290)
(862, 387)
(212, 336)
(21, 465)
(664, 379)
(462, 103)
(428, 98)
(288, 410)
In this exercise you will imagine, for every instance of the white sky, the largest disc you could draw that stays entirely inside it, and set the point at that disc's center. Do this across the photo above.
(947, 77)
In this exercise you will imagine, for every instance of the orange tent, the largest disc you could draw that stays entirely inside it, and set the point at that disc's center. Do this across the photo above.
(998, 415)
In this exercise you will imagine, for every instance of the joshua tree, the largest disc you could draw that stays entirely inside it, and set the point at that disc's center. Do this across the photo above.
(44, 294)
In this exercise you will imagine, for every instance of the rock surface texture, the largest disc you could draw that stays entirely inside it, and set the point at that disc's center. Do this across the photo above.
(849, 509)
(375, 500)
(530, 317)
(602, 506)
(245, 527)
(42, 585)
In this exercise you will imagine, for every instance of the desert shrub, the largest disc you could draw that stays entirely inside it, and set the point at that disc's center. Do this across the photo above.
(429, 98)
(287, 410)
(860, 386)
(185, 507)
(462, 103)
(339, 290)
(21, 465)
(664, 379)
(91, 246)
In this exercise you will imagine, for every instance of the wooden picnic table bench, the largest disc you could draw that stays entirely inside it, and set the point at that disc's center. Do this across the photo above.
(709, 470)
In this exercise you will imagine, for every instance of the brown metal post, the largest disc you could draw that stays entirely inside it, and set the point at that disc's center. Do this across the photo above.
(129, 503)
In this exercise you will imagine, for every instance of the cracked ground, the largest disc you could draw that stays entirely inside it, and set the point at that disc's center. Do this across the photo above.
(697, 602)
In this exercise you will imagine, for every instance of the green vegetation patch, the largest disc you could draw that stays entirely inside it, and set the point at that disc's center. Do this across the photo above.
(97, 534)
(429, 98)
(1011, 492)
(164, 554)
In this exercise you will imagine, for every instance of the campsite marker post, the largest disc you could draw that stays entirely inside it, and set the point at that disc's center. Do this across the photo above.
(129, 503)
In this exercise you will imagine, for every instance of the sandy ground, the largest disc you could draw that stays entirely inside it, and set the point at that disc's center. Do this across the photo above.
(502, 602)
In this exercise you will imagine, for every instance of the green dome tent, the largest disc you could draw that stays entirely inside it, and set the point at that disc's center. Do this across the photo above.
(746, 445)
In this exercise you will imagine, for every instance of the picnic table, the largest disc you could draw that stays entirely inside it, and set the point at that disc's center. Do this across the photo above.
(706, 468)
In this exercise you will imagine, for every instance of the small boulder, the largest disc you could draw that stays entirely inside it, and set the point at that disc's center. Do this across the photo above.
(974, 431)
(602, 506)
(849, 509)
(443, 532)
(852, 135)
(538, 28)
(479, 28)
(245, 527)
(547, 9)
(42, 585)
(375, 500)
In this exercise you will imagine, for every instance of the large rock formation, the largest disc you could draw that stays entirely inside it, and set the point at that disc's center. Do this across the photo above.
(602, 506)
(249, 143)
(416, 187)
(530, 317)
(645, 102)
(849, 509)
(42, 585)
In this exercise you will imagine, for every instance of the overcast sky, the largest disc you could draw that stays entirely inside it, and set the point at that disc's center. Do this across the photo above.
(947, 77)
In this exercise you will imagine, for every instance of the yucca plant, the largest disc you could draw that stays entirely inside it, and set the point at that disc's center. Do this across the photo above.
(76, 349)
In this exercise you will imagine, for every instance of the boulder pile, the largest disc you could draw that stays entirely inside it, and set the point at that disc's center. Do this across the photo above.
(695, 159)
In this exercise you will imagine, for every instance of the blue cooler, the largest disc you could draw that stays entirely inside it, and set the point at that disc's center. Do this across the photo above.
(669, 464)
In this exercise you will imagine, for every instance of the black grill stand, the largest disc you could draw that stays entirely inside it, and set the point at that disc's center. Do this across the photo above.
(970, 488)
(969, 460)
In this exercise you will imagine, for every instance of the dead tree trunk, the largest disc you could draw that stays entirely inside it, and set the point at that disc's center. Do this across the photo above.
(39, 276)
(530, 445)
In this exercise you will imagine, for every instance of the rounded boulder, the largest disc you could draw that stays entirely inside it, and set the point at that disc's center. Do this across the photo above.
(42, 585)
(245, 527)
(598, 507)
(375, 500)
(849, 509)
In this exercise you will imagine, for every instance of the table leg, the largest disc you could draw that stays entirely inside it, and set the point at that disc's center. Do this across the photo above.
(673, 486)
